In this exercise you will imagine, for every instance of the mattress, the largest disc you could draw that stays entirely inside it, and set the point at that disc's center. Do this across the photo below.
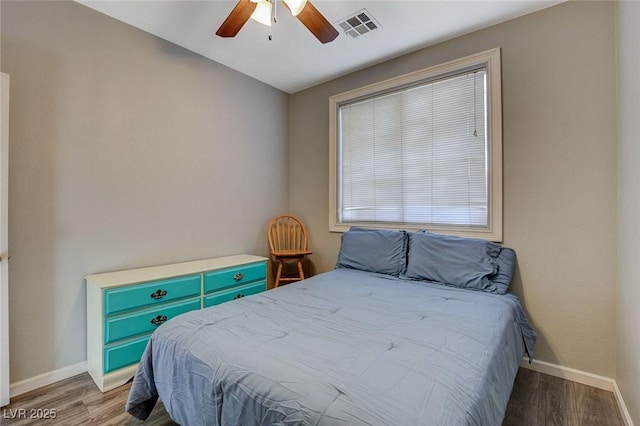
(342, 348)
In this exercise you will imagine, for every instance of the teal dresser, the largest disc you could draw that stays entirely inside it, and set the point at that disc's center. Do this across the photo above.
(125, 307)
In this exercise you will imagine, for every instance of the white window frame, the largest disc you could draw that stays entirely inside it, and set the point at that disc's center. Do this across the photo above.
(491, 60)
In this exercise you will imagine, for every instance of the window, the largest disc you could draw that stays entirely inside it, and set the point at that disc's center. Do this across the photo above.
(421, 151)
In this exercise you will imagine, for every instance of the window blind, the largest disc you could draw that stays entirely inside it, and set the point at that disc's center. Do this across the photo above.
(418, 155)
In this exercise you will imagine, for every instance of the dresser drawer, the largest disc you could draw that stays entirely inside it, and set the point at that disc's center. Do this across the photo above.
(127, 298)
(238, 275)
(125, 354)
(125, 307)
(145, 321)
(234, 293)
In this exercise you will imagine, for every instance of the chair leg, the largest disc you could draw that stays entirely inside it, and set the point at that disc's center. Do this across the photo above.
(300, 270)
(278, 275)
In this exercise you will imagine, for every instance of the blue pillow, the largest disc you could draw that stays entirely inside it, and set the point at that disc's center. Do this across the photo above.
(374, 250)
(460, 262)
(506, 264)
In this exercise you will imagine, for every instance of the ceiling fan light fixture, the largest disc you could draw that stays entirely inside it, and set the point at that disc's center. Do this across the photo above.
(295, 6)
(262, 13)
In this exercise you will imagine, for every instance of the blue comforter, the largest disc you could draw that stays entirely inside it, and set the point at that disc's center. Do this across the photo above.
(342, 348)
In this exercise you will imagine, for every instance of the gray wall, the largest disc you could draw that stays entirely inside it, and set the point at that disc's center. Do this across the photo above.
(126, 151)
(628, 366)
(559, 120)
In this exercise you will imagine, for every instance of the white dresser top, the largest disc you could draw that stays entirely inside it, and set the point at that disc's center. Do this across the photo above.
(112, 279)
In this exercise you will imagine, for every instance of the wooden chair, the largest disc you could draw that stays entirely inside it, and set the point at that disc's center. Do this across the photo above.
(288, 245)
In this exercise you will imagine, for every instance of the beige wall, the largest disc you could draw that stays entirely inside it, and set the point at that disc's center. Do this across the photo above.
(559, 120)
(126, 151)
(628, 366)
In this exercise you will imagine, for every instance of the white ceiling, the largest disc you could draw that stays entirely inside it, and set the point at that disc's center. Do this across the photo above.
(295, 59)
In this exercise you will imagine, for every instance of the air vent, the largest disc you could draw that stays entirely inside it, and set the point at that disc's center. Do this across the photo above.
(358, 23)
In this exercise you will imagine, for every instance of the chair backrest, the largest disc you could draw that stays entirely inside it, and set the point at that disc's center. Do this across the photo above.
(287, 233)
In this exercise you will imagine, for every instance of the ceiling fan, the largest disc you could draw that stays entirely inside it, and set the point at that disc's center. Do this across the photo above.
(263, 11)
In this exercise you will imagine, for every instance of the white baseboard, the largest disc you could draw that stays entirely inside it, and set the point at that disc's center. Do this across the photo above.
(623, 407)
(572, 374)
(45, 379)
(589, 379)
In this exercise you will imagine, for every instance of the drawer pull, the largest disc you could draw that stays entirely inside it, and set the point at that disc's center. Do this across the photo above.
(158, 294)
(239, 296)
(238, 276)
(159, 320)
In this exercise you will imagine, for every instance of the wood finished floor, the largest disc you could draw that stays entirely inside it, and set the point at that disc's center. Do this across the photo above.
(537, 399)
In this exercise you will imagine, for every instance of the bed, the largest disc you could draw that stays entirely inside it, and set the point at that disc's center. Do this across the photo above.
(345, 347)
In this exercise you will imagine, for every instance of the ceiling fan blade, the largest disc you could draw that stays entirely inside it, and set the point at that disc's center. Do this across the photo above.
(236, 19)
(317, 24)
